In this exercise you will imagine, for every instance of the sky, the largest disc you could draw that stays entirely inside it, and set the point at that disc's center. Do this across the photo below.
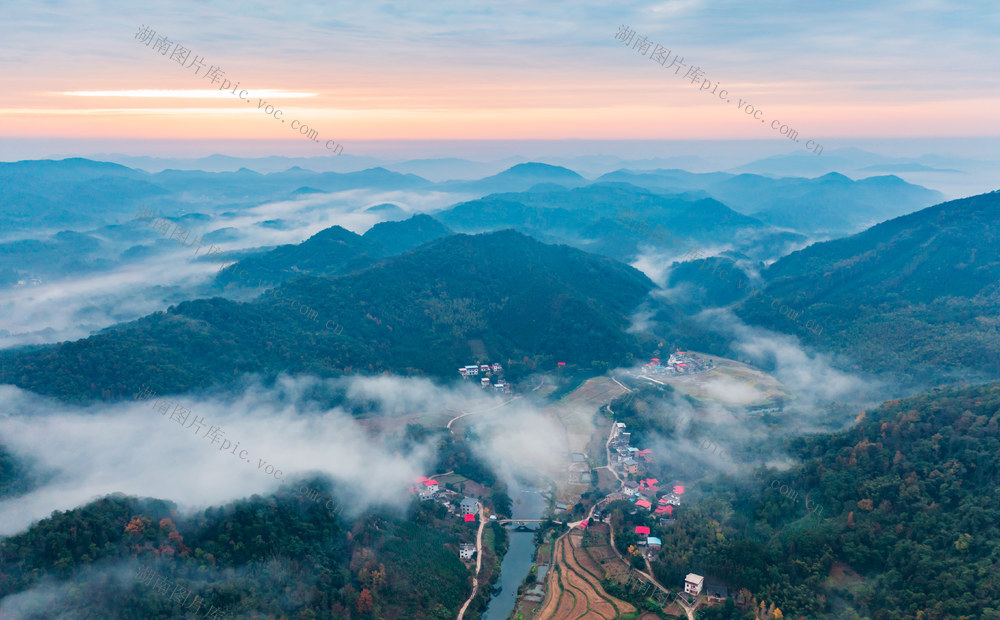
(76, 71)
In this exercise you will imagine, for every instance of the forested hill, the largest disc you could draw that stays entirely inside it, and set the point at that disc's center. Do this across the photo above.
(909, 525)
(273, 557)
(917, 295)
(422, 312)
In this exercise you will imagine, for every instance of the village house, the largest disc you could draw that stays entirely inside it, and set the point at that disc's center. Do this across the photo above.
(717, 593)
(469, 506)
(425, 487)
(630, 488)
(466, 551)
(630, 465)
(664, 508)
(642, 532)
(643, 503)
(693, 583)
(648, 487)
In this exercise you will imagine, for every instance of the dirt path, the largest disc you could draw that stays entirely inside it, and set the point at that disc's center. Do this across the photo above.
(479, 562)
(459, 417)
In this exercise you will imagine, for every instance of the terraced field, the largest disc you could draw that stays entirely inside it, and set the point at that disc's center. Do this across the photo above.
(575, 591)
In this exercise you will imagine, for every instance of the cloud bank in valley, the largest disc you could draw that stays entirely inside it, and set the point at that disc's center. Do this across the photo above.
(269, 433)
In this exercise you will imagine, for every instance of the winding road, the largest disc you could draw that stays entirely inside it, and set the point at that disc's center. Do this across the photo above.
(479, 562)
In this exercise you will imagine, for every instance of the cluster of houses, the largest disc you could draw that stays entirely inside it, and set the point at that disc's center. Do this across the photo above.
(680, 363)
(473, 370)
(629, 458)
(644, 494)
(429, 489)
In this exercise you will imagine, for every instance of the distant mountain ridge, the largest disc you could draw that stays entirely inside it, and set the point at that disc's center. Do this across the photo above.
(829, 204)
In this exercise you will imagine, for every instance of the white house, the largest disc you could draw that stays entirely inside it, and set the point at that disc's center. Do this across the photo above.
(693, 583)
(466, 551)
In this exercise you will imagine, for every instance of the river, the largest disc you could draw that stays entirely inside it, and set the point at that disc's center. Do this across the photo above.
(528, 504)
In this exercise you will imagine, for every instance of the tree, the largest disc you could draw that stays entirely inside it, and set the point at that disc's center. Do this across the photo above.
(365, 604)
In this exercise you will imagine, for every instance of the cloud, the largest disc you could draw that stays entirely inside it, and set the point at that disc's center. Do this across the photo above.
(521, 440)
(266, 434)
(79, 305)
(183, 94)
(279, 431)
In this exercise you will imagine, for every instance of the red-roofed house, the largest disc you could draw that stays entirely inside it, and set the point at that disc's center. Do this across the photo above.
(661, 510)
(642, 532)
(649, 481)
(426, 487)
(469, 518)
(642, 503)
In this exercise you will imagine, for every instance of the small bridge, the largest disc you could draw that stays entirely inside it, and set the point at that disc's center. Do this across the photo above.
(526, 521)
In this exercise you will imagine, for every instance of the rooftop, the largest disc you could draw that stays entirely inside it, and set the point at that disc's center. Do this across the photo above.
(695, 579)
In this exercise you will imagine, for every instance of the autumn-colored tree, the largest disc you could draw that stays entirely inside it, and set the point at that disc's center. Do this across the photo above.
(866, 504)
(365, 603)
(850, 519)
(137, 525)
